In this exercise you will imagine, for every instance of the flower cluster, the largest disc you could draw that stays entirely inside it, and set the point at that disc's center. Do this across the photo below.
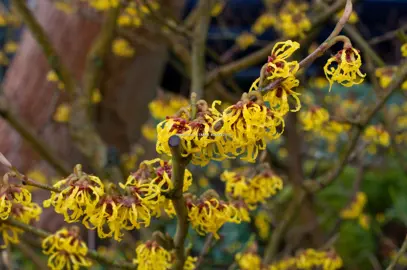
(252, 190)
(248, 260)
(167, 105)
(262, 223)
(293, 21)
(109, 210)
(376, 136)
(245, 40)
(208, 213)
(355, 210)
(66, 250)
(15, 202)
(240, 130)
(262, 23)
(278, 67)
(386, 74)
(151, 256)
(313, 118)
(326, 260)
(344, 68)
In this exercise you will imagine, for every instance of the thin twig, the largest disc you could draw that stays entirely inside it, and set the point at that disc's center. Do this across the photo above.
(387, 36)
(279, 231)
(398, 255)
(30, 254)
(205, 249)
(260, 55)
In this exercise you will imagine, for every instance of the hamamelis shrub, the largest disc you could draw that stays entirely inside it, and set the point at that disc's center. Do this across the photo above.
(303, 168)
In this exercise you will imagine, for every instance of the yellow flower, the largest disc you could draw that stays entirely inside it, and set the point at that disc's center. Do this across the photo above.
(203, 182)
(284, 264)
(319, 82)
(103, 4)
(208, 214)
(190, 263)
(64, 7)
(364, 221)
(404, 50)
(168, 106)
(376, 135)
(380, 217)
(353, 19)
(248, 261)
(217, 8)
(252, 190)
(314, 118)
(80, 193)
(10, 47)
(282, 153)
(3, 20)
(354, 210)
(38, 176)
(151, 256)
(62, 114)
(245, 40)
(248, 124)
(124, 20)
(53, 77)
(96, 96)
(262, 23)
(262, 222)
(3, 59)
(310, 258)
(66, 250)
(277, 64)
(149, 132)
(122, 47)
(293, 21)
(344, 68)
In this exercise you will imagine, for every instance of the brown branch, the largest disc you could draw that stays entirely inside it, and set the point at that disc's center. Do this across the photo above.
(91, 253)
(388, 35)
(205, 249)
(30, 254)
(96, 57)
(198, 72)
(327, 179)
(41, 147)
(179, 164)
(41, 37)
(279, 231)
(260, 55)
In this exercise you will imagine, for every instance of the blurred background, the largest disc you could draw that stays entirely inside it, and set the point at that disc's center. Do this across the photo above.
(35, 102)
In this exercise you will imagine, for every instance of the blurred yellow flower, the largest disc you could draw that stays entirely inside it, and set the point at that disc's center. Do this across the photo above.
(245, 40)
(355, 210)
(10, 47)
(122, 47)
(96, 96)
(62, 113)
(404, 50)
(217, 8)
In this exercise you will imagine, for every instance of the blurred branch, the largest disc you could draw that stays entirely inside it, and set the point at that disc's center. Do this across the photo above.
(327, 179)
(41, 37)
(91, 254)
(398, 255)
(279, 231)
(31, 255)
(260, 55)
(205, 249)
(198, 66)
(29, 135)
(179, 164)
(96, 57)
(388, 35)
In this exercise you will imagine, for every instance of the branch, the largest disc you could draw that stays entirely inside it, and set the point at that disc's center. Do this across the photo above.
(29, 136)
(30, 254)
(260, 55)
(41, 37)
(179, 164)
(388, 35)
(398, 256)
(96, 57)
(91, 254)
(205, 250)
(198, 67)
(279, 231)
(327, 179)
